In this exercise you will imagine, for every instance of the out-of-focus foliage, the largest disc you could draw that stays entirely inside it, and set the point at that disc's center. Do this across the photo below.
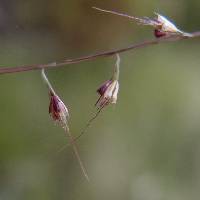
(145, 147)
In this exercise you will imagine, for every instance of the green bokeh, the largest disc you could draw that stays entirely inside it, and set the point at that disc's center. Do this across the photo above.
(144, 148)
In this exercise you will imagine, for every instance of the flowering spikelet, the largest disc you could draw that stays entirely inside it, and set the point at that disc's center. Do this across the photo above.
(108, 91)
(162, 26)
(108, 95)
(58, 110)
(59, 113)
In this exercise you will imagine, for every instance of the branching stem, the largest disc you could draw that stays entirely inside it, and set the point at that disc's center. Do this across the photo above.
(6, 70)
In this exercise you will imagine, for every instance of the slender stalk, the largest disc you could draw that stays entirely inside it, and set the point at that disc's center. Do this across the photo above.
(24, 68)
(47, 81)
(73, 144)
(116, 70)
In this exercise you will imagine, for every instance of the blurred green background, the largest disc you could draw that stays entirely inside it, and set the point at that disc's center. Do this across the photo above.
(144, 148)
